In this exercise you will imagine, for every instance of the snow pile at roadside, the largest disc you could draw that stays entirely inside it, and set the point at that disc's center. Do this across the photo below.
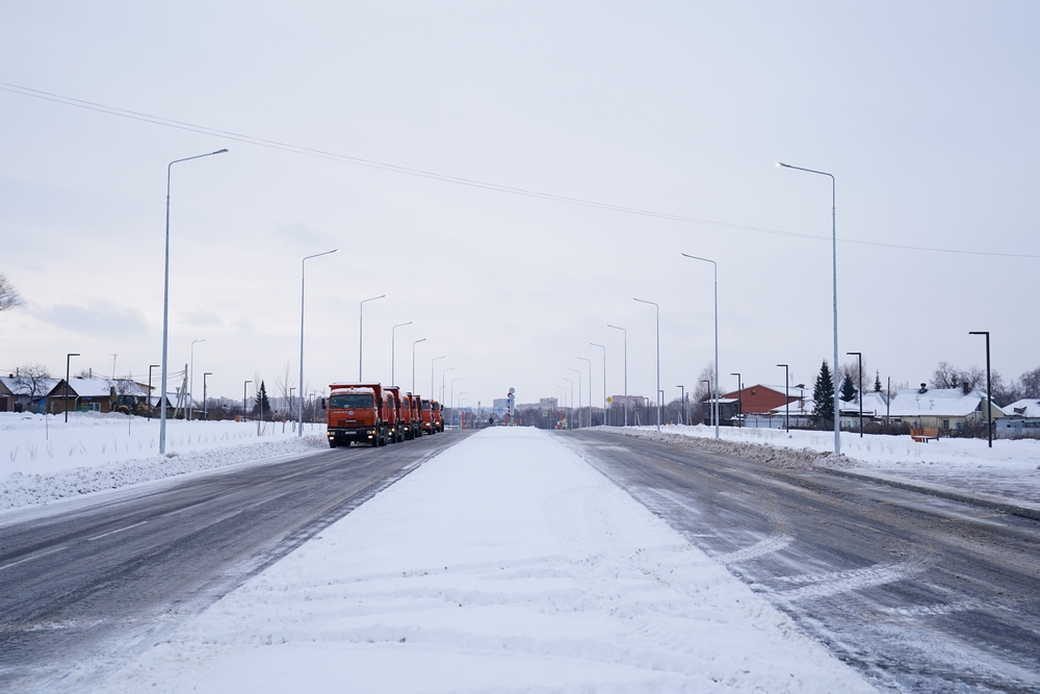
(504, 564)
(1011, 469)
(42, 459)
(43, 444)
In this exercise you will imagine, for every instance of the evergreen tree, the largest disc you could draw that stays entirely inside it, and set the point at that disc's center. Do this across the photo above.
(261, 404)
(823, 395)
(877, 382)
(848, 390)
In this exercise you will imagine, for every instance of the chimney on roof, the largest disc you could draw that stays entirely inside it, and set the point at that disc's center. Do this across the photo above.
(923, 389)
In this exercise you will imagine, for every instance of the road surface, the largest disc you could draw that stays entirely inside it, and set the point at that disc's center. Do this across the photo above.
(80, 590)
(919, 593)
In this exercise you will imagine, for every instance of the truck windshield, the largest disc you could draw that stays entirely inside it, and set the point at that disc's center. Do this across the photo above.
(350, 400)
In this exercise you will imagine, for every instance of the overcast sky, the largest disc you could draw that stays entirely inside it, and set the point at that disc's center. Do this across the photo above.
(927, 112)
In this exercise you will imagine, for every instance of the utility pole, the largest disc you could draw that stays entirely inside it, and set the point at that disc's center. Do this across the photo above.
(205, 408)
(682, 403)
(787, 397)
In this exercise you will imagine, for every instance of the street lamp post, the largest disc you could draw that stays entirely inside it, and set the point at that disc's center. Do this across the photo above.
(715, 404)
(303, 275)
(570, 415)
(989, 395)
(604, 348)
(166, 296)
(150, 367)
(421, 339)
(191, 377)
(244, 384)
(859, 368)
(707, 382)
(625, 333)
(68, 361)
(656, 306)
(361, 333)
(589, 363)
(834, 292)
(787, 397)
(578, 371)
(205, 409)
(443, 374)
(433, 391)
(740, 399)
(393, 350)
(682, 404)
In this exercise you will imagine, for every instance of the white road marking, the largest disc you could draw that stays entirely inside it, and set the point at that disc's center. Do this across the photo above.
(44, 553)
(113, 532)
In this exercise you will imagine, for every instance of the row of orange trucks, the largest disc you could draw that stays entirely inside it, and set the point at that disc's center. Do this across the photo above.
(377, 415)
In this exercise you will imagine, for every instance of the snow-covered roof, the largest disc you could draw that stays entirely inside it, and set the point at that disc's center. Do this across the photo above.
(1026, 407)
(804, 406)
(99, 387)
(17, 386)
(874, 404)
(722, 401)
(936, 402)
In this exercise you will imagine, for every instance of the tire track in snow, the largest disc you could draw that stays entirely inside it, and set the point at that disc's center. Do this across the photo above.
(825, 585)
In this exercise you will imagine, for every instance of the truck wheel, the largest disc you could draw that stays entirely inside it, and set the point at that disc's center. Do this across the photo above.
(332, 443)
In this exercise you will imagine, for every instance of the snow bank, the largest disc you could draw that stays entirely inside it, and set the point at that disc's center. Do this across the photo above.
(44, 459)
(1011, 469)
(505, 564)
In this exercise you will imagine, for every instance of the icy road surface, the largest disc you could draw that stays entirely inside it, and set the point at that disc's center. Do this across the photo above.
(505, 564)
(919, 593)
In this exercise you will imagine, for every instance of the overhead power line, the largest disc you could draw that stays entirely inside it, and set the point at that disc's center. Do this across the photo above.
(462, 180)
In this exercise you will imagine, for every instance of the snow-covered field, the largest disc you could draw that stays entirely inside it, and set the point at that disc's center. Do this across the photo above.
(43, 459)
(1010, 469)
(505, 564)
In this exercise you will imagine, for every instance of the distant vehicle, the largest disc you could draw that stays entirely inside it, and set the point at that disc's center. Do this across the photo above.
(359, 413)
(415, 415)
(426, 408)
(438, 415)
(401, 426)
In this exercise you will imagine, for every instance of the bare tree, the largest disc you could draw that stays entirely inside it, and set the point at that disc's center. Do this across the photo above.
(9, 297)
(32, 378)
(1029, 384)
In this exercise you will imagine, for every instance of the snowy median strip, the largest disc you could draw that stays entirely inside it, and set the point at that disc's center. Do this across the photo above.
(507, 564)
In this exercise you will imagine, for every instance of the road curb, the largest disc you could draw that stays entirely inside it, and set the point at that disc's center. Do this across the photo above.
(1016, 509)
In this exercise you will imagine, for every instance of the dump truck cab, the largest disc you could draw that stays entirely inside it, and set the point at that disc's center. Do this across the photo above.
(357, 413)
(438, 415)
(393, 394)
(416, 415)
(426, 410)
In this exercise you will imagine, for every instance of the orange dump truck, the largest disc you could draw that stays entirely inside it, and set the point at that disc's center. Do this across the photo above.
(359, 412)
(415, 415)
(438, 416)
(400, 411)
(426, 409)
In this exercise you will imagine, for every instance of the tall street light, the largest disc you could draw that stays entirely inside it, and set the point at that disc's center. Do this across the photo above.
(589, 363)
(393, 350)
(303, 275)
(166, 297)
(989, 395)
(570, 417)
(604, 348)
(656, 306)
(361, 333)
(787, 397)
(191, 377)
(150, 367)
(715, 404)
(578, 371)
(68, 360)
(682, 403)
(414, 343)
(834, 292)
(205, 410)
(708, 384)
(859, 369)
(625, 333)
(433, 391)
(443, 374)
(740, 399)
(244, 384)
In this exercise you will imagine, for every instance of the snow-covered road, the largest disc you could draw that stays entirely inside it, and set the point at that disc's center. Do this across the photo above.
(505, 564)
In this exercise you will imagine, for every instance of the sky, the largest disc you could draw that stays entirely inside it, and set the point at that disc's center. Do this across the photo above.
(925, 112)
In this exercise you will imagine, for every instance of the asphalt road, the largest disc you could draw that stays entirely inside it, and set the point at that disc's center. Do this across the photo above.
(82, 590)
(918, 593)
